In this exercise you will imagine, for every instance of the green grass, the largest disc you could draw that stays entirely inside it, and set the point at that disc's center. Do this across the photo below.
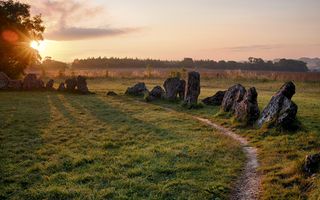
(66, 146)
(280, 153)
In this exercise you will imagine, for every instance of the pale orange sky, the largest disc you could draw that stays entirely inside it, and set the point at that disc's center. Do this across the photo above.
(174, 29)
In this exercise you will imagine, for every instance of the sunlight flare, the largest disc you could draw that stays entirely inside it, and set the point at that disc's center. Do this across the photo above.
(38, 45)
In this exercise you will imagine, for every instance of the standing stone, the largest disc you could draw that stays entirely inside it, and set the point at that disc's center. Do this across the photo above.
(82, 85)
(193, 88)
(4, 81)
(49, 85)
(311, 164)
(215, 100)
(247, 111)
(156, 93)
(138, 89)
(61, 87)
(30, 82)
(71, 84)
(41, 84)
(232, 97)
(171, 86)
(281, 111)
(182, 89)
(15, 85)
(288, 90)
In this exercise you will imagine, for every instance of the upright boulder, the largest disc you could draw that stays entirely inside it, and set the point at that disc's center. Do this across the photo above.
(281, 111)
(156, 93)
(311, 164)
(182, 89)
(82, 85)
(233, 97)
(171, 86)
(288, 90)
(31, 82)
(247, 111)
(49, 84)
(71, 84)
(62, 87)
(215, 100)
(193, 88)
(138, 89)
(4, 81)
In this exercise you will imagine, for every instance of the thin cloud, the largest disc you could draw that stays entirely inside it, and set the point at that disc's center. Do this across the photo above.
(253, 47)
(69, 20)
(74, 33)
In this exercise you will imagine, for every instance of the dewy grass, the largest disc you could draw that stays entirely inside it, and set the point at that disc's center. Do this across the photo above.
(280, 152)
(66, 146)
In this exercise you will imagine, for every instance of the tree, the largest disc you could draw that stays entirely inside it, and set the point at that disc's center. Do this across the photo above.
(17, 29)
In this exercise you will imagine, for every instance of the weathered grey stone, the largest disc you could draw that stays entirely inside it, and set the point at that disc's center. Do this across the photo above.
(71, 84)
(61, 87)
(193, 88)
(49, 84)
(82, 85)
(233, 97)
(15, 85)
(288, 90)
(156, 93)
(182, 89)
(4, 81)
(30, 82)
(247, 111)
(311, 164)
(215, 100)
(137, 90)
(171, 86)
(280, 111)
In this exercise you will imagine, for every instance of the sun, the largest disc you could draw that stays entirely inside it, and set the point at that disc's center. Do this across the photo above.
(38, 45)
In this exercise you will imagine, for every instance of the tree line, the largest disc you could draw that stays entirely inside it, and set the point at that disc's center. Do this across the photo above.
(256, 64)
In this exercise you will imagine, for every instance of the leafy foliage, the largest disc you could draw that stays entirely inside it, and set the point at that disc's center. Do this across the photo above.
(18, 28)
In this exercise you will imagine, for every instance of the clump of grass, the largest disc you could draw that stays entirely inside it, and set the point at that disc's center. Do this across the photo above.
(111, 145)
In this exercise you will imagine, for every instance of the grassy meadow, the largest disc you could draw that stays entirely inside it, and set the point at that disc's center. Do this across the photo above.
(67, 146)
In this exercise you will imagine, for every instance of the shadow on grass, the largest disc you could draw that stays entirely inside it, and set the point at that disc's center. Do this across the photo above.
(106, 113)
(20, 139)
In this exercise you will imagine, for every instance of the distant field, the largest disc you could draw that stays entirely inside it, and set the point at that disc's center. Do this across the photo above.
(64, 146)
(165, 72)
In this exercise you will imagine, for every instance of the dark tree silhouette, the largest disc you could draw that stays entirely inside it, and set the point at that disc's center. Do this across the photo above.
(17, 29)
(256, 64)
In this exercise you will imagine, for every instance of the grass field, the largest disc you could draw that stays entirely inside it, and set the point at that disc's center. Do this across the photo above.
(65, 146)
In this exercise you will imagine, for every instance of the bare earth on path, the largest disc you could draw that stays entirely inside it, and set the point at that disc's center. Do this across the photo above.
(248, 185)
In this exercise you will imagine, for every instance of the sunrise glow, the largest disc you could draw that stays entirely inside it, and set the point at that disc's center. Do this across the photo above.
(38, 45)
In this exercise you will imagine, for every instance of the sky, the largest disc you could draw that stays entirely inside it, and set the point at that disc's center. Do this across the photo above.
(174, 29)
